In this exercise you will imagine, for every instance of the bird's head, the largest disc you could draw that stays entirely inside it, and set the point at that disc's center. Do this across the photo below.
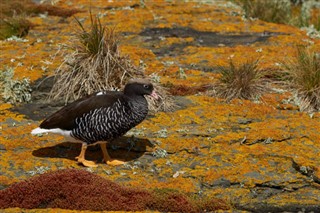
(140, 87)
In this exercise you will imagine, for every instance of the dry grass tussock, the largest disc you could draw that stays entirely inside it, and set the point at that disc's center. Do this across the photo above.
(95, 64)
(244, 81)
(164, 103)
(303, 77)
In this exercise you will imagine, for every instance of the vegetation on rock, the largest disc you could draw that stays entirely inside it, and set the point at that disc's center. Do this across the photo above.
(14, 14)
(244, 81)
(96, 64)
(14, 26)
(297, 13)
(303, 76)
(81, 190)
(14, 91)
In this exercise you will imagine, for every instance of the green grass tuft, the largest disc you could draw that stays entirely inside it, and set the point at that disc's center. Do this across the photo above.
(303, 14)
(270, 10)
(14, 26)
(303, 76)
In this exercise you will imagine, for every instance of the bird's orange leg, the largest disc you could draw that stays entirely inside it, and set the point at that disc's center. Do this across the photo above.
(107, 157)
(81, 157)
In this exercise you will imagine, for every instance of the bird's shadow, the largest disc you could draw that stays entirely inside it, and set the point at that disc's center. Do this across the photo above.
(124, 148)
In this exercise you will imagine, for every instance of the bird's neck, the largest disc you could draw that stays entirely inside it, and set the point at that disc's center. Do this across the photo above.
(138, 103)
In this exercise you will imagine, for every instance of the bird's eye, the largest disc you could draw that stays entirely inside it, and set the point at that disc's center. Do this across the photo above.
(146, 86)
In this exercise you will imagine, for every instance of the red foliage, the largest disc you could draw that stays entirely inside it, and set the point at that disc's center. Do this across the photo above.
(72, 189)
(55, 11)
(167, 200)
(182, 90)
(82, 190)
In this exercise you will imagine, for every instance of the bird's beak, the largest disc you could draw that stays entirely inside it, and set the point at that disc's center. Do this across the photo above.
(154, 95)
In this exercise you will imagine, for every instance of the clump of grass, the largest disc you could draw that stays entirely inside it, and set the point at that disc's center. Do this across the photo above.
(94, 65)
(296, 13)
(270, 11)
(303, 75)
(165, 101)
(308, 15)
(14, 91)
(14, 26)
(244, 81)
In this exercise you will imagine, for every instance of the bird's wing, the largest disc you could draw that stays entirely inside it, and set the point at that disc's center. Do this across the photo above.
(65, 117)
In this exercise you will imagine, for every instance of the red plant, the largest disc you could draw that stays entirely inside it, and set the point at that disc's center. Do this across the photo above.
(82, 190)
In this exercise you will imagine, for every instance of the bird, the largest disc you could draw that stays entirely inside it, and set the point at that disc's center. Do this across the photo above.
(101, 117)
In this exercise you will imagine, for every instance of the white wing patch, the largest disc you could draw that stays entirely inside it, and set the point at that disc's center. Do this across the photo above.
(56, 131)
(99, 93)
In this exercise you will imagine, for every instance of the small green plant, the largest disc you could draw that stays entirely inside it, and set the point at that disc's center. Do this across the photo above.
(15, 26)
(296, 13)
(99, 39)
(14, 91)
(244, 81)
(270, 10)
(303, 76)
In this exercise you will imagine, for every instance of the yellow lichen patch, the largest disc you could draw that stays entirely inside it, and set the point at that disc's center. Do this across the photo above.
(30, 60)
(5, 106)
(284, 199)
(6, 113)
(173, 40)
(140, 55)
(178, 183)
(274, 128)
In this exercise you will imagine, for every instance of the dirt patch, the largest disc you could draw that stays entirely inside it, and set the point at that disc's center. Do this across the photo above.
(200, 38)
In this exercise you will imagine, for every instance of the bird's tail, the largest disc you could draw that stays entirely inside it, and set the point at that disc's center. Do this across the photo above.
(39, 131)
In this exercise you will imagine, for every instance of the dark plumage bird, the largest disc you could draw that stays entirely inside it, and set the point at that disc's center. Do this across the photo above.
(101, 117)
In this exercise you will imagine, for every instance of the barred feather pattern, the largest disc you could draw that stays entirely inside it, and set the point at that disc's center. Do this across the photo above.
(107, 123)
